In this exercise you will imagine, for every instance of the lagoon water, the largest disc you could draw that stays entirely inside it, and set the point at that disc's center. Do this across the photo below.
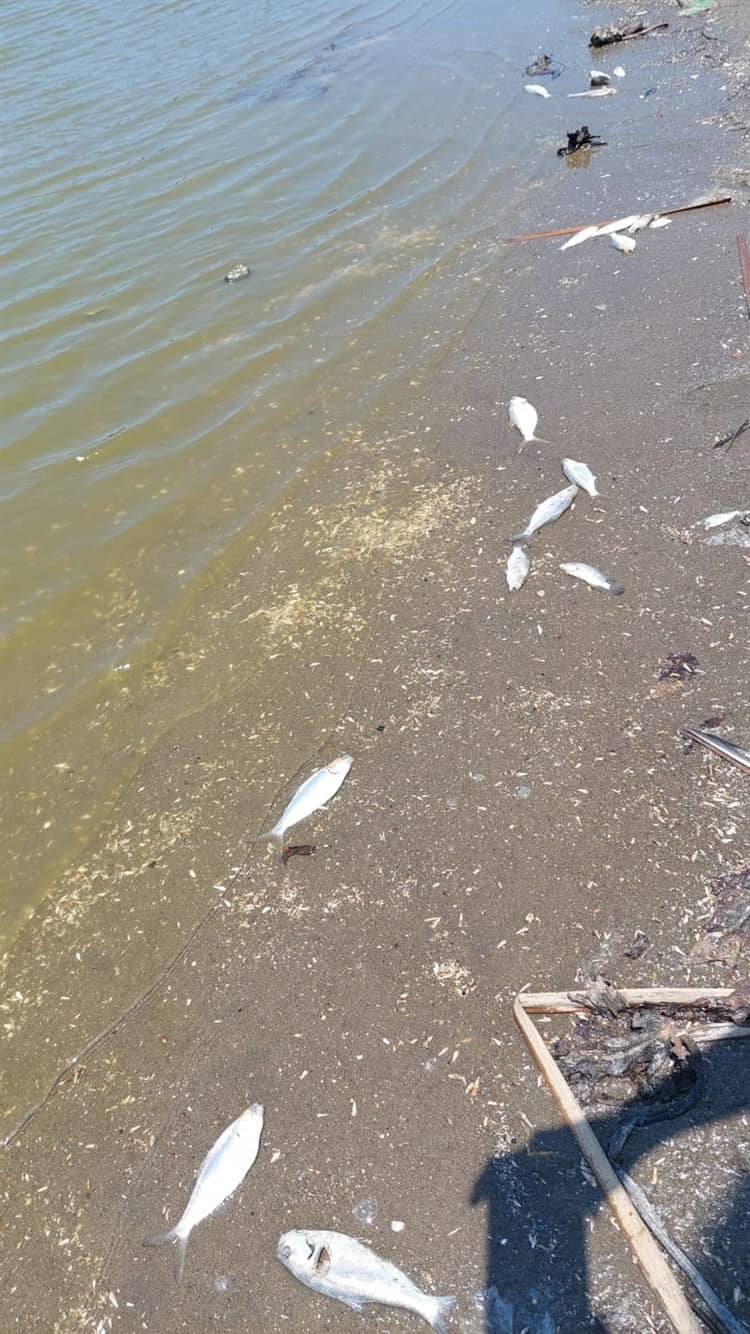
(362, 159)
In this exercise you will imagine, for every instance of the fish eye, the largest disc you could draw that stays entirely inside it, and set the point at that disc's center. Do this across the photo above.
(286, 1252)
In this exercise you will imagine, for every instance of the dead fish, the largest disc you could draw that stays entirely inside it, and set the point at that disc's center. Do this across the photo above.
(547, 512)
(524, 417)
(637, 225)
(585, 234)
(625, 244)
(315, 792)
(580, 475)
(536, 89)
(518, 568)
(223, 1169)
(619, 225)
(719, 746)
(590, 575)
(345, 1269)
(660, 222)
(717, 520)
(595, 92)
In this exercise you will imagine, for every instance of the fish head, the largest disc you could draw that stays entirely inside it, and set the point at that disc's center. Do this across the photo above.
(304, 1253)
(342, 765)
(251, 1120)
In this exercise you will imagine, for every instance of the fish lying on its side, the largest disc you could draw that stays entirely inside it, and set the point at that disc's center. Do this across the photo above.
(524, 417)
(619, 225)
(223, 1169)
(342, 1268)
(625, 244)
(585, 234)
(537, 89)
(546, 512)
(517, 568)
(314, 793)
(580, 475)
(718, 520)
(590, 575)
(595, 92)
(726, 750)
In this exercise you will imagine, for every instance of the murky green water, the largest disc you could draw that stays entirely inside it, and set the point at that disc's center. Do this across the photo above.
(362, 159)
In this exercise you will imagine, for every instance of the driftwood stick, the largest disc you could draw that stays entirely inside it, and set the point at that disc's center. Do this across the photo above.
(744, 265)
(718, 1315)
(662, 213)
(652, 1263)
(564, 1002)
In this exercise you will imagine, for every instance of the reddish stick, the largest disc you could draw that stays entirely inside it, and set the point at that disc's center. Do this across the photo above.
(745, 265)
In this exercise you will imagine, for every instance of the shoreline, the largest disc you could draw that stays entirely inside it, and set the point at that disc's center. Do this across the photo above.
(481, 694)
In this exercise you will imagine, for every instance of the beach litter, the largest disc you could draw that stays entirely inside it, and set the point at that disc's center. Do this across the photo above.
(315, 792)
(343, 1268)
(223, 1169)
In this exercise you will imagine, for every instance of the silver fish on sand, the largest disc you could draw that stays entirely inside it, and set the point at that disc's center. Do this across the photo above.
(626, 244)
(718, 520)
(638, 224)
(547, 512)
(223, 1169)
(595, 92)
(536, 89)
(345, 1269)
(658, 221)
(585, 234)
(314, 793)
(726, 750)
(619, 225)
(580, 475)
(524, 417)
(517, 568)
(590, 575)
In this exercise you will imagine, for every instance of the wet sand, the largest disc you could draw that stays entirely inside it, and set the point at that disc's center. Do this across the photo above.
(520, 804)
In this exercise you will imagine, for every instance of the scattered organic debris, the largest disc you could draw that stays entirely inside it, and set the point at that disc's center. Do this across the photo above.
(577, 139)
(542, 65)
(726, 750)
(234, 275)
(622, 32)
(678, 667)
(297, 850)
(453, 974)
(729, 439)
(727, 935)
(639, 946)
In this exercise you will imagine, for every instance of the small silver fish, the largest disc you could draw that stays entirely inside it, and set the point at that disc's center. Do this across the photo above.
(524, 417)
(717, 520)
(595, 92)
(537, 89)
(316, 790)
(637, 225)
(619, 225)
(580, 475)
(584, 234)
(342, 1268)
(518, 568)
(547, 512)
(626, 244)
(725, 749)
(223, 1169)
(660, 222)
(590, 575)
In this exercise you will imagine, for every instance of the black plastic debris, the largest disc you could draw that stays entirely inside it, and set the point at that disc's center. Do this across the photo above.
(578, 139)
(678, 667)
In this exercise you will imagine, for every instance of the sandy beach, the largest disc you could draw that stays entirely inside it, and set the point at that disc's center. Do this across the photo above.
(521, 803)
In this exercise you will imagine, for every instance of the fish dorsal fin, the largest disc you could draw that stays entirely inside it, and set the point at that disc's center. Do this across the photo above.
(323, 1261)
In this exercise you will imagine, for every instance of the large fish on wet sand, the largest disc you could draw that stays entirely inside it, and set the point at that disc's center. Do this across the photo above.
(580, 475)
(315, 792)
(345, 1269)
(590, 575)
(726, 750)
(549, 510)
(517, 568)
(524, 417)
(223, 1169)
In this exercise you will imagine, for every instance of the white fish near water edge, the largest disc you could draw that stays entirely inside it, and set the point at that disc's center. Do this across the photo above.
(343, 1268)
(590, 575)
(315, 792)
(536, 89)
(625, 244)
(547, 512)
(517, 568)
(658, 222)
(223, 1169)
(580, 475)
(524, 417)
(584, 234)
(595, 92)
(619, 225)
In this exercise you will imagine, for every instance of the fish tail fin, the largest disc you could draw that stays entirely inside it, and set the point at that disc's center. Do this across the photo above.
(617, 589)
(521, 539)
(173, 1235)
(539, 440)
(440, 1313)
(275, 836)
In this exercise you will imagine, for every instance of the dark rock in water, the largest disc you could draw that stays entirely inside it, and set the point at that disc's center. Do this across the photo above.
(234, 275)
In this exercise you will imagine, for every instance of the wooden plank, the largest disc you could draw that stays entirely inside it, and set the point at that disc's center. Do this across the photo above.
(651, 1261)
